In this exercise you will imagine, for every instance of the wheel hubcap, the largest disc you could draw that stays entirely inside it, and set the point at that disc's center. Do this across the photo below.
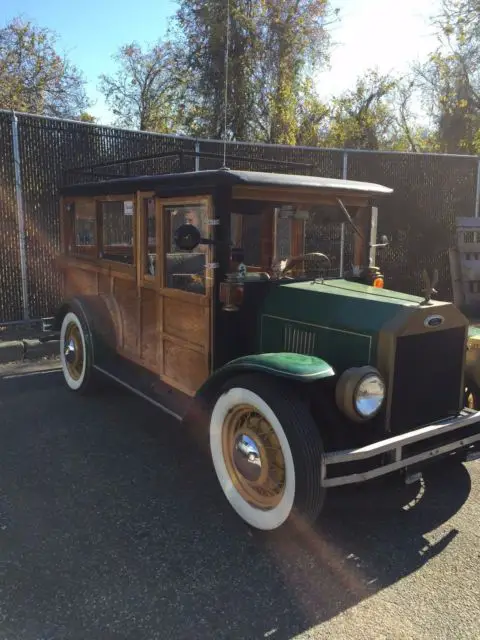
(70, 352)
(246, 457)
(73, 351)
(253, 457)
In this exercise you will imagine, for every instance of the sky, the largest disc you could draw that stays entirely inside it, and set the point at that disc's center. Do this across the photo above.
(370, 34)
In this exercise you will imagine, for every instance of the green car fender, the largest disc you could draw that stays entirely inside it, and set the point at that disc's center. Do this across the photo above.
(292, 366)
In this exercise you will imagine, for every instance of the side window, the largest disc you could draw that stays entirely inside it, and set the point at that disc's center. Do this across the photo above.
(84, 216)
(283, 235)
(117, 221)
(150, 237)
(252, 237)
(246, 239)
(186, 270)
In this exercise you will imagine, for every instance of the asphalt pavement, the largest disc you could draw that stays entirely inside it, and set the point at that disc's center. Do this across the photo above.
(112, 527)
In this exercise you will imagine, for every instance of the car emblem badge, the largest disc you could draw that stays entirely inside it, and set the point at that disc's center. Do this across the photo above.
(434, 321)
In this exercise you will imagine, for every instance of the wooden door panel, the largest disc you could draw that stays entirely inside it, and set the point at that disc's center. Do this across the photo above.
(149, 335)
(189, 322)
(185, 368)
(173, 326)
(125, 293)
(80, 282)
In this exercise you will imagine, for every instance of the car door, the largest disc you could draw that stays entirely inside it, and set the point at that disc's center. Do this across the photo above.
(175, 289)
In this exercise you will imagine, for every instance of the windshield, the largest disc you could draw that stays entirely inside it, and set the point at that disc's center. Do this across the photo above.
(265, 237)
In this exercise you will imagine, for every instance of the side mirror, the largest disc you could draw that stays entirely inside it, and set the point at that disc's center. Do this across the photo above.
(384, 242)
(187, 237)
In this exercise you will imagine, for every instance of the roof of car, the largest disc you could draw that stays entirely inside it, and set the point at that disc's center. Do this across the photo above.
(212, 178)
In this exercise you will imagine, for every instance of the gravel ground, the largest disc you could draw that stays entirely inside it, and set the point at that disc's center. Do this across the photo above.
(112, 527)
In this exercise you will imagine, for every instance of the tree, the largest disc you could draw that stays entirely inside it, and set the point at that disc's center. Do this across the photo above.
(34, 77)
(296, 44)
(273, 46)
(312, 117)
(200, 27)
(86, 117)
(362, 118)
(145, 91)
(449, 80)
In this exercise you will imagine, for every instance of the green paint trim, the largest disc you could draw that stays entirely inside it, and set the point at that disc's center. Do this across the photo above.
(292, 366)
(317, 326)
(347, 289)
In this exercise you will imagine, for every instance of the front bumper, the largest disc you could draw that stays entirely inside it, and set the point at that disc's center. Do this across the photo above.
(459, 435)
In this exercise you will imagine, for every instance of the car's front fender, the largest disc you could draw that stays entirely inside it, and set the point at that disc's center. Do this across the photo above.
(293, 366)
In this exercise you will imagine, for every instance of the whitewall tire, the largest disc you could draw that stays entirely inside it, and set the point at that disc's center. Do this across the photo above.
(267, 452)
(75, 353)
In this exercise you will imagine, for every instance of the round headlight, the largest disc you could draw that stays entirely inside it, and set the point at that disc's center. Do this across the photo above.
(369, 395)
(360, 393)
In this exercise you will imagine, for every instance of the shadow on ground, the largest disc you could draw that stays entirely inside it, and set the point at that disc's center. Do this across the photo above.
(113, 527)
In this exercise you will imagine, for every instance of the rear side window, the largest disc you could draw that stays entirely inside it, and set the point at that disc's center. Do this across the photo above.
(83, 224)
(117, 219)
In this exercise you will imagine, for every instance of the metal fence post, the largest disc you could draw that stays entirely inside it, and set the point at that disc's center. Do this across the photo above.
(20, 215)
(197, 157)
(342, 227)
(477, 193)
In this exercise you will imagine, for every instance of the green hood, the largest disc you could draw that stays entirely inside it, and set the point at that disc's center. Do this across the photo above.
(338, 320)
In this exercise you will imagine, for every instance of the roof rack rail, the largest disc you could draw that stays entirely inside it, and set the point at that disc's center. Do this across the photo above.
(93, 170)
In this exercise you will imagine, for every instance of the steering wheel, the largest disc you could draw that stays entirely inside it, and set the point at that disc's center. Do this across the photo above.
(291, 262)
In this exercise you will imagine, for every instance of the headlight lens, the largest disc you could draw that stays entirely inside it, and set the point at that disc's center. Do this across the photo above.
(369, 395)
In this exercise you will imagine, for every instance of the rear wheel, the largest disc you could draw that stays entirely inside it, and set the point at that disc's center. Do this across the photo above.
(267, 452)
(76, 354)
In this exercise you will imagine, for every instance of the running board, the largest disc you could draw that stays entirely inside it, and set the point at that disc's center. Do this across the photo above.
(146, 385)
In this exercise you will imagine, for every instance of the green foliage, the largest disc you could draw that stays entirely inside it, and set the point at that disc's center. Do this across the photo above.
(86, 117)
(450, 79)
(200, 28)
(146, 90)
(361, 118)
(34, 77)
(272, 44)
(312, 117)
(276, 49)
(296, 42)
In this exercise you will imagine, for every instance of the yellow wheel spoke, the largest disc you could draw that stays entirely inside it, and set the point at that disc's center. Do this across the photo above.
(253, 457)
(73, 351)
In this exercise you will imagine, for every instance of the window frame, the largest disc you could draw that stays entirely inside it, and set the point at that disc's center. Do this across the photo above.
(94, 253)
(267, 239)
(117, 265)
(145, 279)
(164, 230)
(71, 249)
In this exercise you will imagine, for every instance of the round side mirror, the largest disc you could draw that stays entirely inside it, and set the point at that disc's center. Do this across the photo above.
(187, 237)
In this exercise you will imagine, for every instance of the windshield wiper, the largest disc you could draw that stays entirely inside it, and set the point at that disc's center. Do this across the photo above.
(349, 219)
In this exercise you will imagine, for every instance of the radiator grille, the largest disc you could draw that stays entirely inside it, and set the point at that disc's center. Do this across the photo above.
(298, 341)
(427, 377)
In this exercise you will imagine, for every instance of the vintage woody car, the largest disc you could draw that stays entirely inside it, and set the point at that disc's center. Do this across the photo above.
(298, 381)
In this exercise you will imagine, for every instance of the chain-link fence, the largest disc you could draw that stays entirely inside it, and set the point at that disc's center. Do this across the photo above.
(38, 154)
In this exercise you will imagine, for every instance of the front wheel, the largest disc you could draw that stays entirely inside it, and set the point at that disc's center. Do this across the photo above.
(267, 453)
(472, 395)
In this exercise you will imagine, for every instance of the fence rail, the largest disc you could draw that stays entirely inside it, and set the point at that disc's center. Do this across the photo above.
(37, 153)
